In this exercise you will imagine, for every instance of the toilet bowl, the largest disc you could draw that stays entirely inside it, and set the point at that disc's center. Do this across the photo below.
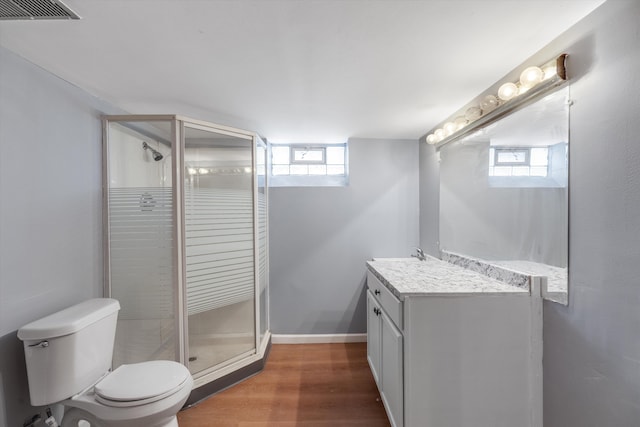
(68, 356)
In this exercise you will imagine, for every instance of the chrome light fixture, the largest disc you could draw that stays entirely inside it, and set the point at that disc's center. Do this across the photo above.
(534, 81)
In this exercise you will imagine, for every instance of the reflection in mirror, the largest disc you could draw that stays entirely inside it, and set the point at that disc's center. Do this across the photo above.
(504, 193)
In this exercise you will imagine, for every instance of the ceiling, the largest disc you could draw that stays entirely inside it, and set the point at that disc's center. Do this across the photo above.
(294, 70)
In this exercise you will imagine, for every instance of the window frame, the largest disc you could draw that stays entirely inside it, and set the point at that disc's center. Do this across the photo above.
(554, 178)
(308, 180)
(499, 150)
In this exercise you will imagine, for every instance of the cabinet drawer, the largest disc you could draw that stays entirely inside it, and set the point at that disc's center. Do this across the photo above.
(390, 304)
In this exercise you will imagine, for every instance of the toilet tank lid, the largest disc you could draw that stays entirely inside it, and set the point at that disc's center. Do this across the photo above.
(69, 320)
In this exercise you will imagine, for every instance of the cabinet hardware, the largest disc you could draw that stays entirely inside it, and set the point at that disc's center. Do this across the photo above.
(377, 292)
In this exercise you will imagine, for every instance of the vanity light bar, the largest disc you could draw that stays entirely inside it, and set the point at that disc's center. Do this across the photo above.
(533, 82)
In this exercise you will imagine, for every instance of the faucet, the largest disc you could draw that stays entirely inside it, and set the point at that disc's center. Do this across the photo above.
(419, 254)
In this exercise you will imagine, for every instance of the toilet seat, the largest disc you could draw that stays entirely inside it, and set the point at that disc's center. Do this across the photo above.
(157, 411)
(141, 383)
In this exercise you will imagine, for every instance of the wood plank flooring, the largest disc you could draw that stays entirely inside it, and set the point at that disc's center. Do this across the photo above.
(308, 385)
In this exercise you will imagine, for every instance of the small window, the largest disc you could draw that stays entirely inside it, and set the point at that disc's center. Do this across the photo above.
(308, 155)
(529, 167)
(308, 165)
(511, 157)
(518, 161)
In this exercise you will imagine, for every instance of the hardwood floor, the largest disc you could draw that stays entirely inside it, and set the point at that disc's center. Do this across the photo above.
(309, 385)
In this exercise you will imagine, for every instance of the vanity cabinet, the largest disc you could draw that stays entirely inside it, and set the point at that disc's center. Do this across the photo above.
(374, 336)
(385, 356)
(392, 369)
(455, 359)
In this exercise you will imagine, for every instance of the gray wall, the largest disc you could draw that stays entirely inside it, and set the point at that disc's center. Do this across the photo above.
(50, 210)
(429, 200)
(592, 347)
(321, 237)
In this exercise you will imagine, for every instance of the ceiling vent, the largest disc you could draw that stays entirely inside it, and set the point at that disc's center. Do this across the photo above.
(35, 9)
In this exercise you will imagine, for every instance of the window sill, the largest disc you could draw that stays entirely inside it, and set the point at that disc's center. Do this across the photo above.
(308, 181)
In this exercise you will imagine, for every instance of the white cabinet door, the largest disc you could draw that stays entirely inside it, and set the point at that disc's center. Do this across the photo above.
(392, 372)
(373, 336)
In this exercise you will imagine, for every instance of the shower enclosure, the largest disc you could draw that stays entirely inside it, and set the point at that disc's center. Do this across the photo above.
(186, 250)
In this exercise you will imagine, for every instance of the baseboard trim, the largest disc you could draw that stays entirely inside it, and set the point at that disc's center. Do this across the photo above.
(317, 338)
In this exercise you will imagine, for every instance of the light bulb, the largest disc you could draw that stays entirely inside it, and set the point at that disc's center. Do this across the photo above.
(439, 133)
(507, 91)
(489, 103)
(531, 76)
(473, 113)
(431, 139)
(203, 171)
(192, 171)
(449, 128)
(460, 122)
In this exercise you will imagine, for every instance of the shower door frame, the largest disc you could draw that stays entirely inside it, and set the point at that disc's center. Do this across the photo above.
(179, 250)
(259, 141)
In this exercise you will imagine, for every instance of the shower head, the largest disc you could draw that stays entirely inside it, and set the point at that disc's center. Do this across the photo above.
(157, 156)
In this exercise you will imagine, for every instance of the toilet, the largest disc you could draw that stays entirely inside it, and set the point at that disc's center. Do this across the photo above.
(68, 356)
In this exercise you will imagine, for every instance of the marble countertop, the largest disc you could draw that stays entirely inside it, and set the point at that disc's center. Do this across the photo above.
(557, 282)
(556, 276)
(412, 277)
(517, 273)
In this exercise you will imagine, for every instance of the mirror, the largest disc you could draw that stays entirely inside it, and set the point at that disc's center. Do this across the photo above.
(504, 193)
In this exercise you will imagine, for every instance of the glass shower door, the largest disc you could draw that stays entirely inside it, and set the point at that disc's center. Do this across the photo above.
(141, 245)
(219, 247)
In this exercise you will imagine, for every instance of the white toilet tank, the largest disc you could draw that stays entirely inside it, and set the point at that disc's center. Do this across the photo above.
(68, 351)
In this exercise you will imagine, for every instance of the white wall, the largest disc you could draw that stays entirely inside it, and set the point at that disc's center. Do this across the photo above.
(132, 166)
(321, 237)
(50, 210)
(592, 347)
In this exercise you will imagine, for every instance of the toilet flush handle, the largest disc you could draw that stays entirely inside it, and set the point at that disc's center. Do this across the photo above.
(41, 344)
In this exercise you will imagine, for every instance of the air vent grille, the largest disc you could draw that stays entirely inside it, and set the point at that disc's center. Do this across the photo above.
(35, 9)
